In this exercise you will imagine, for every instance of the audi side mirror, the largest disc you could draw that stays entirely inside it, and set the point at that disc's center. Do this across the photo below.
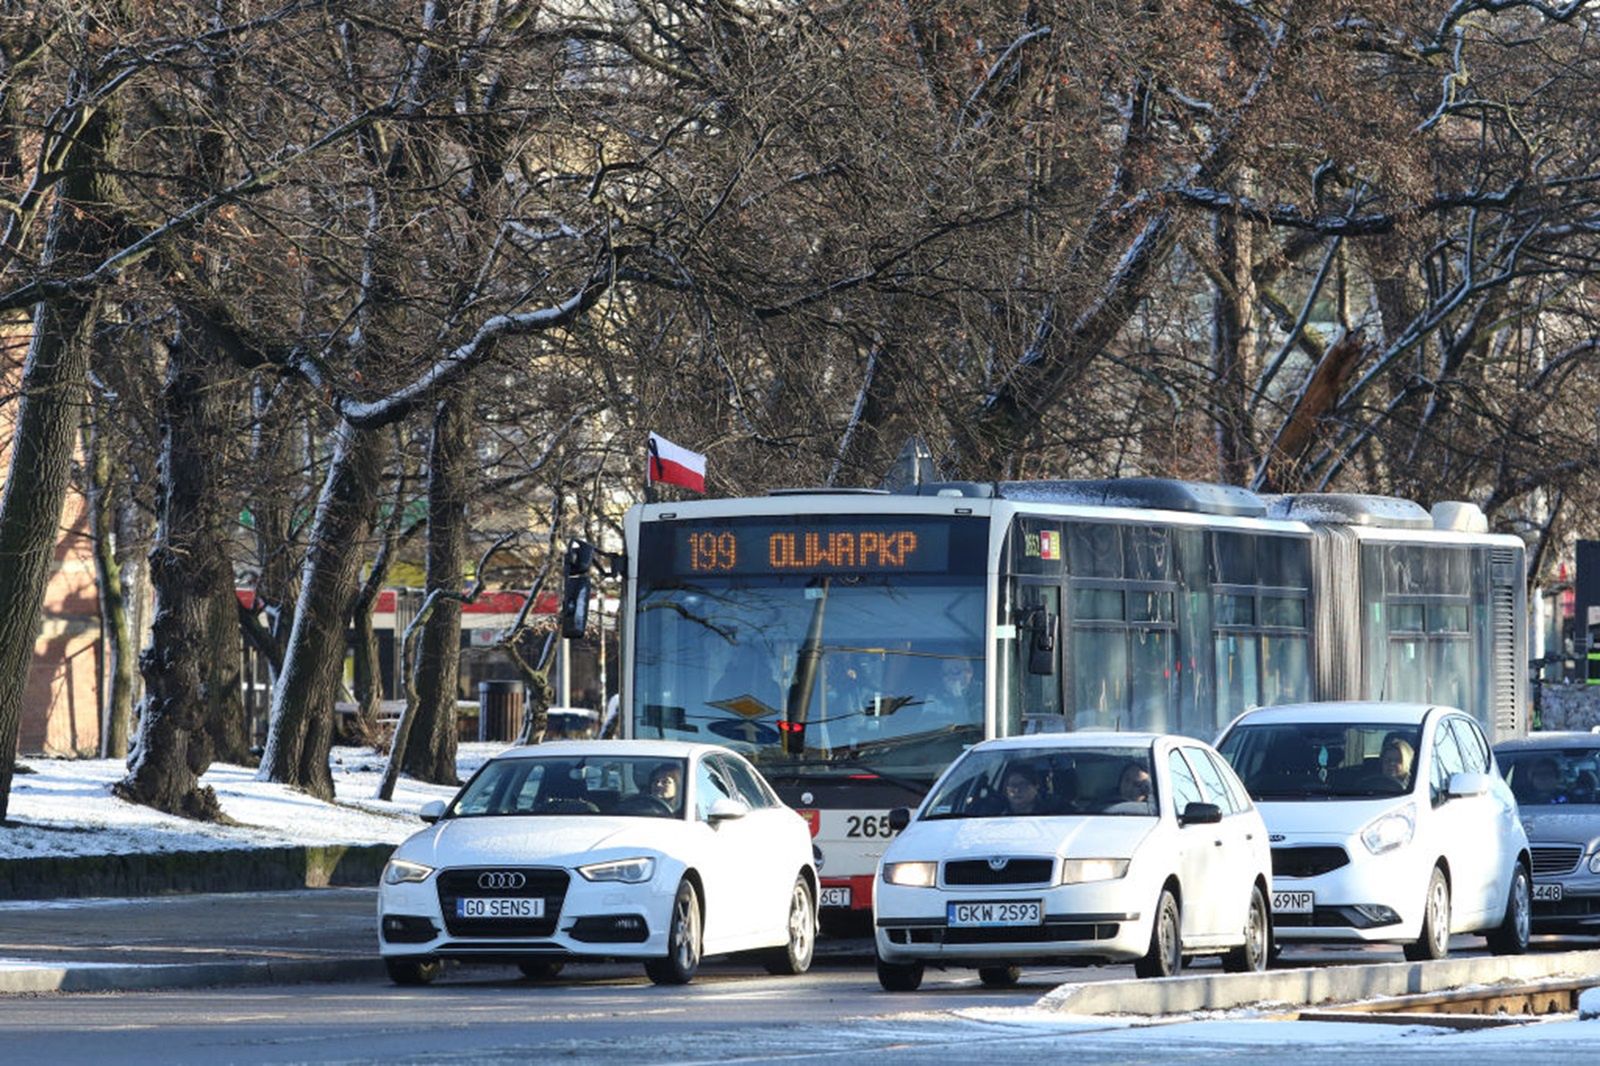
(725, 808)
(431, 811)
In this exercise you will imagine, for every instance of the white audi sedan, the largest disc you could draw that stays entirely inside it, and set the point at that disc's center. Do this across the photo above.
(1389, 822)
(648, 850)
(1073, 847)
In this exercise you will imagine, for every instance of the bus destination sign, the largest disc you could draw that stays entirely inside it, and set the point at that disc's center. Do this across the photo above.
(906, 546)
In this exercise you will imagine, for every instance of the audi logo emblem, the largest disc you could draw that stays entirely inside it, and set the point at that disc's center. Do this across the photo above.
(998, 863)
(502, 879)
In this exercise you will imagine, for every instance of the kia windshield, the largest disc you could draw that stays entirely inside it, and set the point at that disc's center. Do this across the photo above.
(1286, 761)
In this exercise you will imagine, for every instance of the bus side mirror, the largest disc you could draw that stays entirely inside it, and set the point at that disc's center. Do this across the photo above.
(1041, 627)
(575, 589)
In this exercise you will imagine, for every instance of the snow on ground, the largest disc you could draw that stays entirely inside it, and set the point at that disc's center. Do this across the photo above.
(65, 807)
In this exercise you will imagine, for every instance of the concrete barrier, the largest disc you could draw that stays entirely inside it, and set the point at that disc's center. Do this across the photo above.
(1303, 987)
(116, 978)
(161, 873)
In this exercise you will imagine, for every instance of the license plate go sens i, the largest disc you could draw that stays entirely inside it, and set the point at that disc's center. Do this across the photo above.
(1021, 912)
(502, 907)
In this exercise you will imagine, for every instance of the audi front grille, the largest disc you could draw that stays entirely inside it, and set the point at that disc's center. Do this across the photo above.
(500, 882)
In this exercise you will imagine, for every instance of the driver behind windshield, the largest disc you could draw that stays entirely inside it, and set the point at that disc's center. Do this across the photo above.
(666, 785)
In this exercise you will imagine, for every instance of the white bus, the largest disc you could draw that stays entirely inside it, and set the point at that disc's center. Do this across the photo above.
(852, 643)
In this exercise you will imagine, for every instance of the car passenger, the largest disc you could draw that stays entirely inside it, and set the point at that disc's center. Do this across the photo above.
(1134, 794)
(1021, 789)
(1396, 761)
(666, 785)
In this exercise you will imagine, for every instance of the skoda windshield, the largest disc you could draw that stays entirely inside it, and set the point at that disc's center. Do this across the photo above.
(1286, 761)
(834, 647)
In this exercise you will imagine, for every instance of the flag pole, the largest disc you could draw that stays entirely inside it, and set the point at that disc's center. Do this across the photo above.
(651, 463)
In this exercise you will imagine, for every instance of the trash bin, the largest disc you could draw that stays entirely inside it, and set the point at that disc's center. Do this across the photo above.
(499, 710)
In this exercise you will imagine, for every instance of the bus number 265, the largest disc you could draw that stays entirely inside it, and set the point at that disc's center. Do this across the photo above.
(868, 825)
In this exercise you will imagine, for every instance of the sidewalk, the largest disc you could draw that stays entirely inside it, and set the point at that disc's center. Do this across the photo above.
(81, 945)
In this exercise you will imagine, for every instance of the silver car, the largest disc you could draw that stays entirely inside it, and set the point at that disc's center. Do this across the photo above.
(1556, 779)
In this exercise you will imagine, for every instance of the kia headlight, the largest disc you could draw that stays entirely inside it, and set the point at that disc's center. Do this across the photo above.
(404, 872)
(1077, 871)
(628, 871)
(910, 874)
(1390, 831)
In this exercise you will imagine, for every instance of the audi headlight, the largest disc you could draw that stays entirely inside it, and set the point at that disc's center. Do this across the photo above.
(1391, 830)
(910, 874)
(404, 871)
(1594, 863)
(628, 871)
(1077, 871)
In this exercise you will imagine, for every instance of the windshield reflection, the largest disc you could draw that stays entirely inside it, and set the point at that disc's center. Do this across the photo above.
(821, 677)
(1318, 760)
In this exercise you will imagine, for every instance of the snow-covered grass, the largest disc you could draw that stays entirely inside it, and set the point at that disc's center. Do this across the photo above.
(65, 807)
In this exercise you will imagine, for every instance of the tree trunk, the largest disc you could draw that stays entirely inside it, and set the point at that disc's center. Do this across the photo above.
(187, 566)
(368, 682)
(300, 733)
(116, 625)
(225, 714)
(430, 753)
(1232, 311)
(54, 380)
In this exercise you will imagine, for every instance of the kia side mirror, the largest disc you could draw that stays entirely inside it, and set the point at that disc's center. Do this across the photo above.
(1467, 783)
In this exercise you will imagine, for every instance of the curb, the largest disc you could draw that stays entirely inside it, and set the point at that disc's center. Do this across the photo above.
(1303, 987)
(162, 873)
(117, 978)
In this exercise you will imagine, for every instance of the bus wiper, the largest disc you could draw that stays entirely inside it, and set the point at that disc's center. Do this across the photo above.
(813, 768)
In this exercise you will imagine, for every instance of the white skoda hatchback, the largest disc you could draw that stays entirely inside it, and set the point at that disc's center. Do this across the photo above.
(1389, 822)
(1075, 847)
(648, 850)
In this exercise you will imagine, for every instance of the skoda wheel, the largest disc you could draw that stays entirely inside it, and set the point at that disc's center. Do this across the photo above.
(1252, 955)
(1000, 976)
(900, 976)
(1165, 957)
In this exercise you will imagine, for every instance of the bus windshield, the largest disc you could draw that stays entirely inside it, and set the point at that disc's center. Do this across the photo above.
(832, 675)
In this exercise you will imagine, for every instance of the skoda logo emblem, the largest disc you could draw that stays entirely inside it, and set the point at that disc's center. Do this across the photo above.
(502, 879)
(998, 864)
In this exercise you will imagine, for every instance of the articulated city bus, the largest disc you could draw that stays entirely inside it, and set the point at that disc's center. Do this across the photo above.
(852, 643)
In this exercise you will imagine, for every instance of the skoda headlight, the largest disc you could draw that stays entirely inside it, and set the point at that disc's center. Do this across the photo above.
(628, 871)
(404, 871)
(1077, 871)
(910, 874)
(1391, 830)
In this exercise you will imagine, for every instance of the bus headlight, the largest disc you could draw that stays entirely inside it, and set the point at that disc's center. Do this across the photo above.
(910, 874)
(1077, 871)
(1390, 831)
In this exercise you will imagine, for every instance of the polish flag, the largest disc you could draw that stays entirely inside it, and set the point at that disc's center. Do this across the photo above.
(672, 465)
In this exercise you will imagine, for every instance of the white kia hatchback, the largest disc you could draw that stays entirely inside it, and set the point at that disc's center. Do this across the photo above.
(648, 850)
(1389, 822)
(1075, 847)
